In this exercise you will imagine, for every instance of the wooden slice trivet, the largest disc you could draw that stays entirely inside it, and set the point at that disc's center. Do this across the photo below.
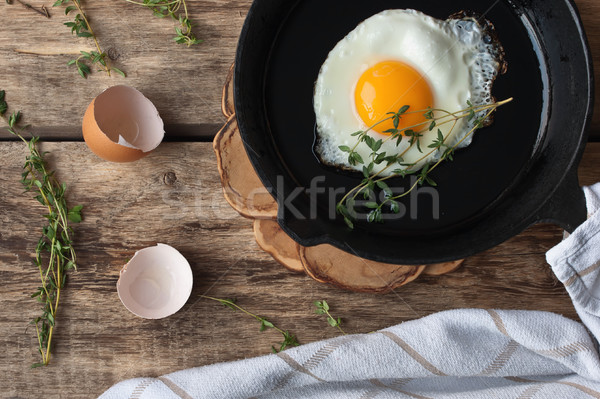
(272, 239)
(442, 268)
(227, 97)
(324, 263)
(241, 185)
(328, 264)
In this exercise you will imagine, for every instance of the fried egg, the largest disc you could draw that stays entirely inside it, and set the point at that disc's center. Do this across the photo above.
(397, 58)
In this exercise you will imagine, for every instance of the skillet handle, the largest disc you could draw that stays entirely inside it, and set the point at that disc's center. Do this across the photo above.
(566, 207)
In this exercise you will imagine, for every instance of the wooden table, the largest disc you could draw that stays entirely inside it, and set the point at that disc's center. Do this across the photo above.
(174, 196)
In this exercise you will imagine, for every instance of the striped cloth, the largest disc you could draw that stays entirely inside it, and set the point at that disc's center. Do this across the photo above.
(467, 353)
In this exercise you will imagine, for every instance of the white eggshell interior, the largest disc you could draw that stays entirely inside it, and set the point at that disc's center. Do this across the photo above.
(156, 282)
(128, 118)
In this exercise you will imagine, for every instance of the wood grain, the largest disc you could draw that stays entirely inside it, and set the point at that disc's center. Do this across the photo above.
(273, 240)
(174, 196)
(439, 269)
(184, 83)
(345, 270)
(241, 185)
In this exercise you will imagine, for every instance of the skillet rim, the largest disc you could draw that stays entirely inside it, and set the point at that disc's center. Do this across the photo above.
(565, 204)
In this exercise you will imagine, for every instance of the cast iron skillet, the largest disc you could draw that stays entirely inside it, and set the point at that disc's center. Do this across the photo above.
(519, 171)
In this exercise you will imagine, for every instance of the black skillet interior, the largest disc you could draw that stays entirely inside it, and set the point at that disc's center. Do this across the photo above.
(495, 188)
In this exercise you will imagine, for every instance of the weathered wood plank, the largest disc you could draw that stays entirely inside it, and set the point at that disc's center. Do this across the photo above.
(174, 196)
(184, 83)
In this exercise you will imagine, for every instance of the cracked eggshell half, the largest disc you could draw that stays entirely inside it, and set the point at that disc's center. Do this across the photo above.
(156, 282)
(122, 125)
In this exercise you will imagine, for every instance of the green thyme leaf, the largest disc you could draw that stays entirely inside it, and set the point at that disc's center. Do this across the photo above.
(377, 145)
(403, 109)
(430, 181)
(56, 234)
(366, 188)
(380, 158)
(322, 308)
(178, 11)
(288, 339)
(428, 114)
(349, 223)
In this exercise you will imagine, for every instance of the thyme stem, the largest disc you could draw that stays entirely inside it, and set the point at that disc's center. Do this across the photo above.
(322, 307)
(82, 27)
(89, 28)
(164, 8)
(346, 204)
(288, 339)
(56, 237)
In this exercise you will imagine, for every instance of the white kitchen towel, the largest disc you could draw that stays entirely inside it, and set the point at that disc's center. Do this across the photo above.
(467, 353)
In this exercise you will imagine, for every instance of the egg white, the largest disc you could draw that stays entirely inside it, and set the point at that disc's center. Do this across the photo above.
(452, 55)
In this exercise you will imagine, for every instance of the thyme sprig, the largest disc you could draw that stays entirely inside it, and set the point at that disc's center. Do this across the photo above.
(42, 10)
(171, 8)
(288, 338)
(81, 27)
(322, 307)
(434, 118)
(56, 240)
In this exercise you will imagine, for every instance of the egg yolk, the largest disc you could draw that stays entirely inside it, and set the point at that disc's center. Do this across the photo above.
(388, 86)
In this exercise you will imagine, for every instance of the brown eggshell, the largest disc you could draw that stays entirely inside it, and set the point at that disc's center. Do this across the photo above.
(121, 125)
